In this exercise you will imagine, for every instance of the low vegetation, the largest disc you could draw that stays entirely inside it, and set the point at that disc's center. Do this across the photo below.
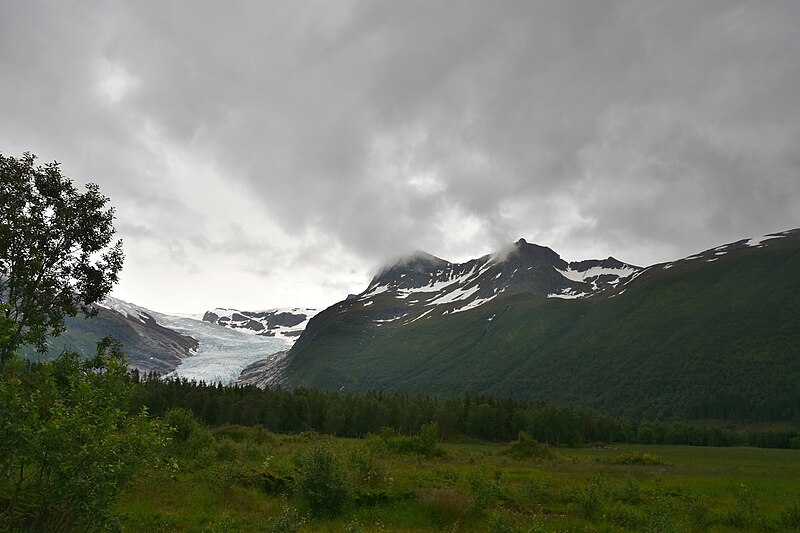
(68, 445)
(247, 479)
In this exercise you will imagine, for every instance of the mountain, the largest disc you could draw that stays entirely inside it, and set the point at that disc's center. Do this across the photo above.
(282, 323)
(150, 346)
(178, 346)
(713, 335)
(423, 286)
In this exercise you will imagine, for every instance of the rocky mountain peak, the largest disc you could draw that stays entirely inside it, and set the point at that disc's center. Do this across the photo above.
(525, 252)
(282, 323)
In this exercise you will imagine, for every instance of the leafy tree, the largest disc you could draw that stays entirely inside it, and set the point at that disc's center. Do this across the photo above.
(67, 443)
(56, 251)
(321, 478)
(182, 421)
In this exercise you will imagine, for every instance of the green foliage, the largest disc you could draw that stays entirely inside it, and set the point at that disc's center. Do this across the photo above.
(182, 422)
(554, 425)
(289, 521)
(631, 492)
(424, 444)
(484, 490)
(500, 522)
(68, 446)
(366, 413)
(590, 499)
(321, 479)
(355, 526)
(637, 458)
(698, 489)
(367, 470)
(526, 447)
(697, 509)
(700, 340)
(56, 256)
(790, 516)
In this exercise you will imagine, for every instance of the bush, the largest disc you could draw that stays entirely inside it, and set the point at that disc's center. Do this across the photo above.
(526, 447)
(362, 464)
(424, 443)
(637, 458)
(289, 521)
(190, 439)
(68, 446)
(484, 491)
(182, 422)
(500, 522)
(589, 501)
(320, 478)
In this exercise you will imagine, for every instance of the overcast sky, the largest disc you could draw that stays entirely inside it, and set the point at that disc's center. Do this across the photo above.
(268, 154)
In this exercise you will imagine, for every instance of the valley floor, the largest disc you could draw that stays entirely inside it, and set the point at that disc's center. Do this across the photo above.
(244, 479)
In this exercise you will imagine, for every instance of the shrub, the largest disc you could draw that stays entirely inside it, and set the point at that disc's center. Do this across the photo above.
(526, 447)
(424, 443)
(182, 422)
(484, 491)
(289, 521)
(362, 463)
(637, 458)
(589, 500)
(500, 522)
(68, 446)
(538, 492)
(227, 450)
(631, 492)
(697, 509)
(320, 478)
(355, 526)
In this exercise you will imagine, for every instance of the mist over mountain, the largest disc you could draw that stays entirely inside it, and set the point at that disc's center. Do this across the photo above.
(712, 335)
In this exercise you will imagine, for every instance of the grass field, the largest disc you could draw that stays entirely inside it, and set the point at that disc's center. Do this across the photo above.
(247, 479)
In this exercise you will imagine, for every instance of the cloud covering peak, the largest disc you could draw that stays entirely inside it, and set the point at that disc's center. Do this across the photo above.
(280, 150)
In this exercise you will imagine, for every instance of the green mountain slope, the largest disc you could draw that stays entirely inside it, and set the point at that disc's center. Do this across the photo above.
(149, 346)
(716, 336)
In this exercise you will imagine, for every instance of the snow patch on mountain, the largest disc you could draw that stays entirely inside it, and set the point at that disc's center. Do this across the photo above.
(596, 271)
(419, 282)
(760, 240)
(286, 323)
(126, 309)
(455, 295)
(473, 304)
(567, 294)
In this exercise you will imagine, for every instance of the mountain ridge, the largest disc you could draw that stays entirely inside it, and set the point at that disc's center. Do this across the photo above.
(669, 339)
(286, 323)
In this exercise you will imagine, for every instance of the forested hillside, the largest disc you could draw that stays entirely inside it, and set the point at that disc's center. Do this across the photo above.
(713, 336)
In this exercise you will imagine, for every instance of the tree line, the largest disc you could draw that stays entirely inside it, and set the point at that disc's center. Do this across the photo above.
(478, 417)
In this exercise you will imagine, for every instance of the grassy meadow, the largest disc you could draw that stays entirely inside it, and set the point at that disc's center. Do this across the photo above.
(248, 479)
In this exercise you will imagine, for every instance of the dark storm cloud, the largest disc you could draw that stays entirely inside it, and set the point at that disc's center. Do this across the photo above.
(644, 129)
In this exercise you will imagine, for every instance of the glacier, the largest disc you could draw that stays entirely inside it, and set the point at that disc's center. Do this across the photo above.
(223, 352)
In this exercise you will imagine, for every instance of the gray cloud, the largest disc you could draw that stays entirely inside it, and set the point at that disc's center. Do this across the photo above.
(260, 137)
